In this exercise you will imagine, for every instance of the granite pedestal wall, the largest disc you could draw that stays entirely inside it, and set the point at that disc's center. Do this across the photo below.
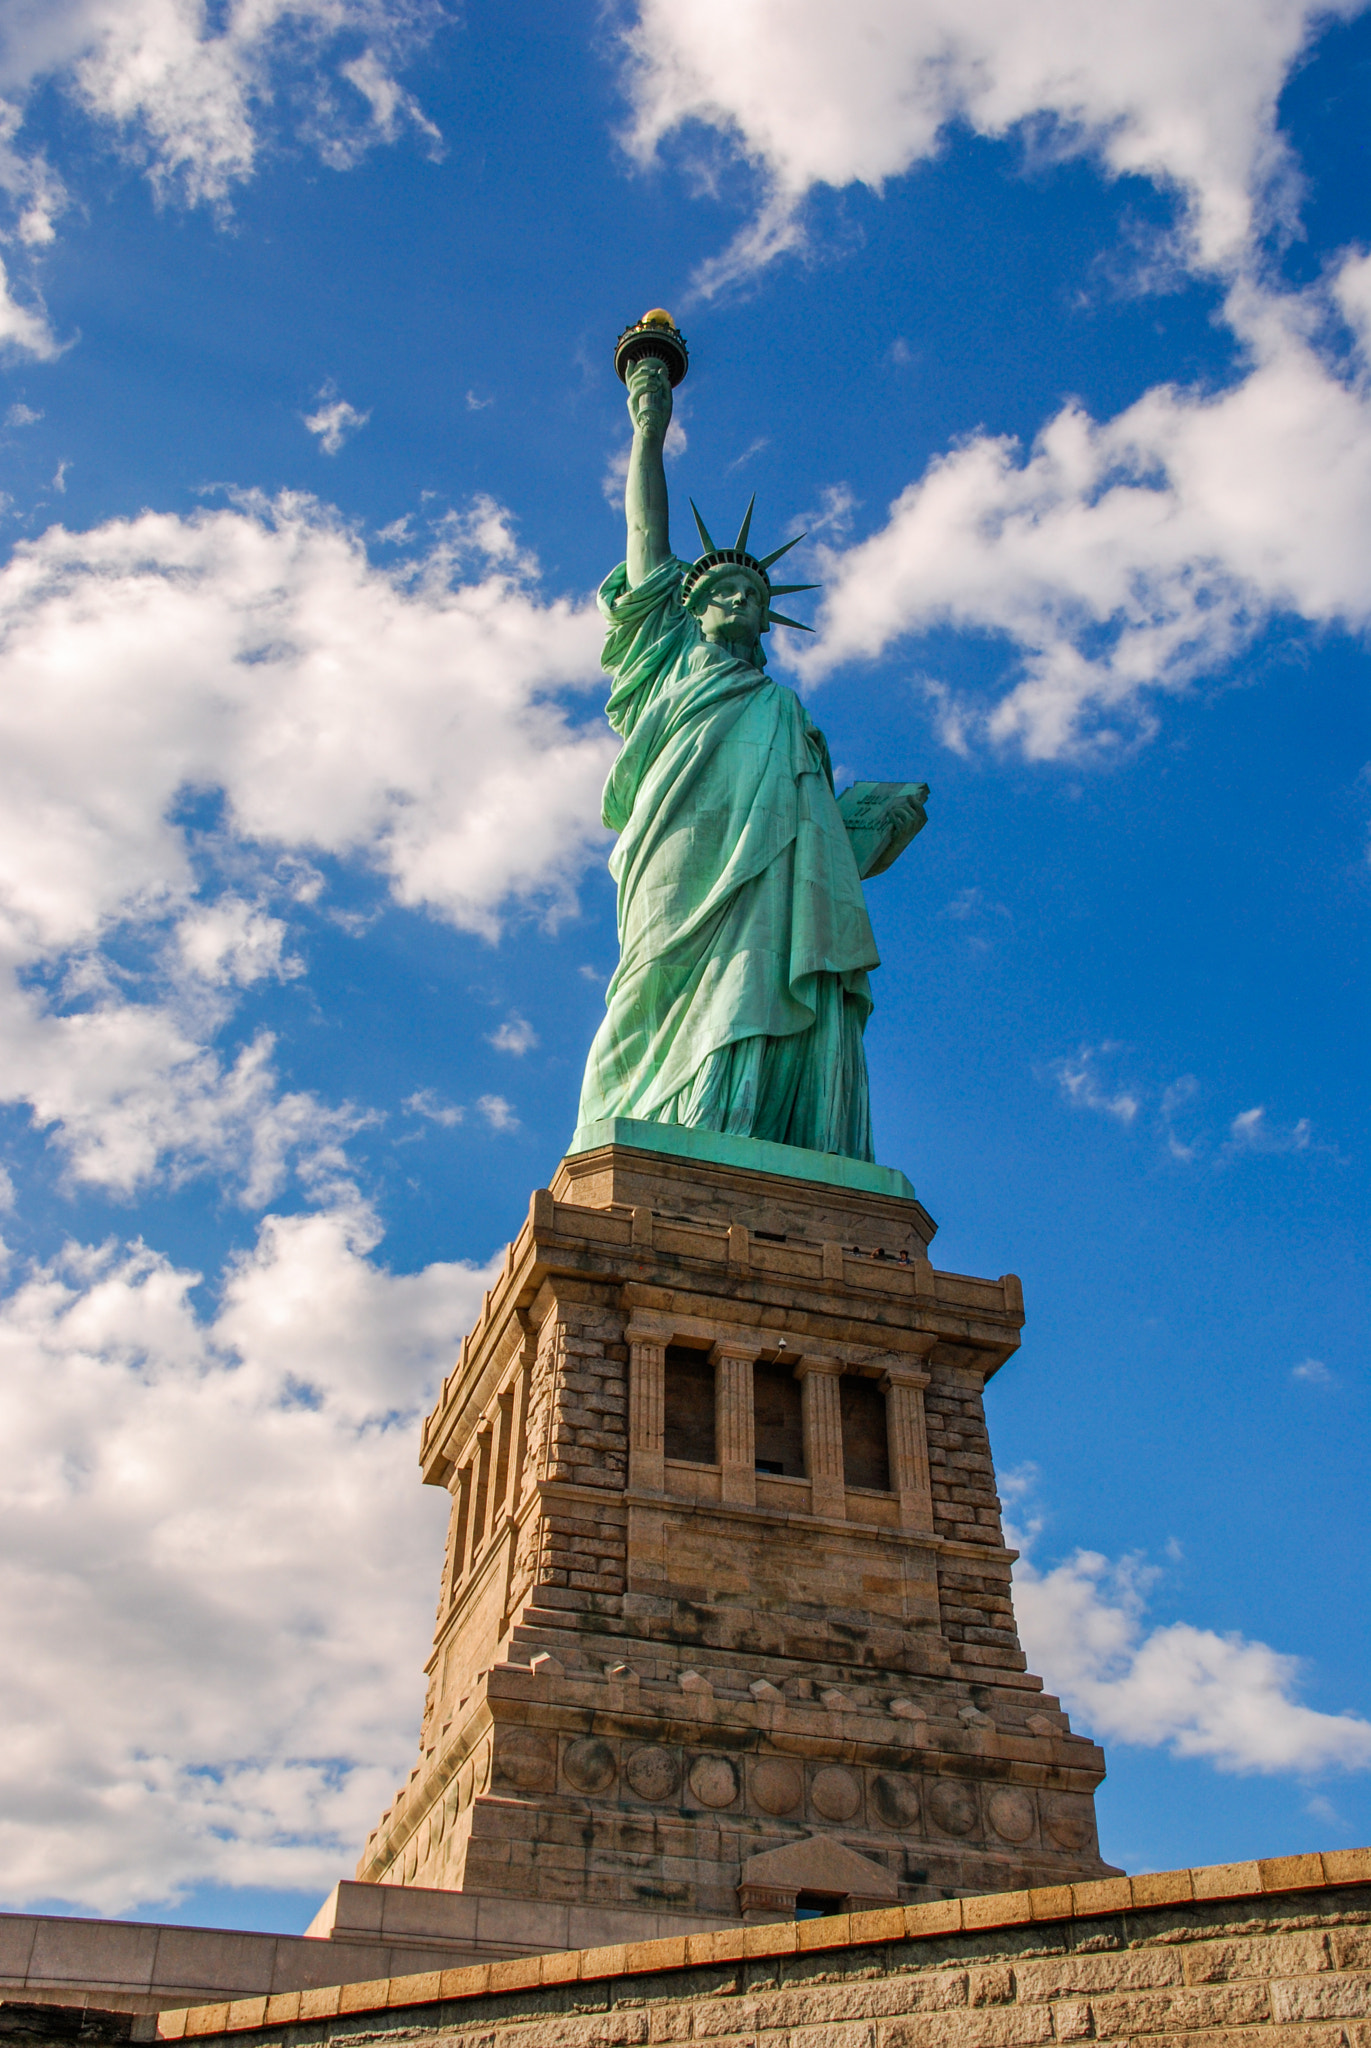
(725, 1575)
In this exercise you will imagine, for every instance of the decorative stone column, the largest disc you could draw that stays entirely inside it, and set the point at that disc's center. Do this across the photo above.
(823, 1428)
(646, 1410)
(907, 1442)
(484, 1476)
(735, 1424)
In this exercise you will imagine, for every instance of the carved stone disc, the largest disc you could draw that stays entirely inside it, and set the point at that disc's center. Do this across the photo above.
(953, 1807)
(528, 1761)
(589, 1764)
(1011, 1815)
(714, 1780)
(653, 1773)
(777, 1787)
(1068, 1821)
(835, 1793)
(896, 1800)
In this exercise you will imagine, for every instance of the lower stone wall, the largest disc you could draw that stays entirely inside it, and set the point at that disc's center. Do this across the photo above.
(1259, 1955)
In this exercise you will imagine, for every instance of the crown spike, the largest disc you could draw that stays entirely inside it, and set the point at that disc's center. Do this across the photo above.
(741, 542)
(706, 538)
(787, 589)
(775, 556)
(780, 619)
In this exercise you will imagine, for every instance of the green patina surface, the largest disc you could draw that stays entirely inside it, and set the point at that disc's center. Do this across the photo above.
(758, 1155)
(741, 996)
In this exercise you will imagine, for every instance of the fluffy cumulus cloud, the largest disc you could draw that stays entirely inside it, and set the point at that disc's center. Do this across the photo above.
(1120, 557)
(408, 718)
(185, 89)
(1183, 94)
(219, 1560)
(193, 95)
(1199, 1694)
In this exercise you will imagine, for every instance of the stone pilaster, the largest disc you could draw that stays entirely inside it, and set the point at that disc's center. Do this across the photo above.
(907, 1439)
(646, 1409)
(735, 1422)
(823, 1427)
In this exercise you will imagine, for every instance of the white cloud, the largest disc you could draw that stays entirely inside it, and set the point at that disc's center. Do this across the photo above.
(213, 1527)
(407, 717)
(22, 416)
(397, 713)
(1184, 95)
(1313, 1372)
(515, 1035)
(24, 329)
(190, 103)
(425, 1103)
(34, 190)
(128, 1090)
(390, 104)
(1124, 557)
(1186, 1689)
(1080, 1084)
(334, 423)
(234, 941)
(497, 1112)
(1250, 1132)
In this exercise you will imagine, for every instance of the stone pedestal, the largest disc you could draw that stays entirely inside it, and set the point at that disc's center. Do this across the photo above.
(725, 1574)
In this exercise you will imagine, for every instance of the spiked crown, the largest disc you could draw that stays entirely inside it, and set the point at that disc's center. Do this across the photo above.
(737, 557)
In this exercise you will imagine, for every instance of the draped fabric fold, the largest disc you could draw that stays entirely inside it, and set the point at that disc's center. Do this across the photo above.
(741, 994)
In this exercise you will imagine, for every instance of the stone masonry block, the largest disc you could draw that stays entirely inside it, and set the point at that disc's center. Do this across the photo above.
(1227, 1881)
(619, 2027)
(1003, 2026)
(839, 2034)
(1351, 1948)
(1182, 2011)
(1072, 2020)
(1337, 1996)
(1297, 1954)
(668, 2021)
(1161, 1888)
(1291, 1873)
(992, 1986)
(1092, 1975)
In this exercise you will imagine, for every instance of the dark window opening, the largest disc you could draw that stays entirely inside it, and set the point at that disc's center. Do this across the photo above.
(866, 1460)
(780, 1438)
(818, 1905)
(771, 1236)
(689, 1417)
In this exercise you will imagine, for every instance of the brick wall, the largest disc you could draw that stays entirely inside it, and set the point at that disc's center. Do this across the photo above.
(1271, 1955)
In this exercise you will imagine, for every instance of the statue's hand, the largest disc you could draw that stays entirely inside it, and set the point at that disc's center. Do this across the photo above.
(649, 399)
(881, 820)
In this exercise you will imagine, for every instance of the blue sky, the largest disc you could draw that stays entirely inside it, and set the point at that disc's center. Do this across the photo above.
(1057, 341)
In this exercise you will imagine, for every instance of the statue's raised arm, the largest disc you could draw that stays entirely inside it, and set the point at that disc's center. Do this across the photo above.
(645, 499)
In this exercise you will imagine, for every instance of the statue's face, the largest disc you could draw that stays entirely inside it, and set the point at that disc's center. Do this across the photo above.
(734, 611)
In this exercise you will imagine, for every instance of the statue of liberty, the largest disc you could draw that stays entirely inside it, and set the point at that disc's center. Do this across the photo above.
(741, 996)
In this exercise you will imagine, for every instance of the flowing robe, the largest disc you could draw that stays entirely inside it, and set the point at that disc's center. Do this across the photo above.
(741, 994)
